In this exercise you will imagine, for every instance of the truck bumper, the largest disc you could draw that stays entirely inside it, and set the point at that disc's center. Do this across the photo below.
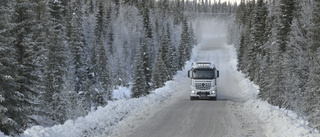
(203, 95)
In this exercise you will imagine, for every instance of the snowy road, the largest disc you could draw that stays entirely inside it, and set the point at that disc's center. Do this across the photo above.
(180, 117)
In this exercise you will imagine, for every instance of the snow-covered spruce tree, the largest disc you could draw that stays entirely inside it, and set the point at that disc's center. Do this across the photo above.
(273, 89)
(160, 70)
(55, 69)
(93, 67)
(103, 75)
(140, 86)
(249, 54)
(287, 8)
(98, 32)
(7, 73)
(258, 39)
(23, 31)
(146, 19)
(77, 46)
(240, 20)
(193, 40)
(150, 48)
(172, 55)
(271, 30)
(178, 12)
(241, 51)
(296, 58)
(109, 29)
(245, 16)
(313, 87)
(164, 45)
(184, 48)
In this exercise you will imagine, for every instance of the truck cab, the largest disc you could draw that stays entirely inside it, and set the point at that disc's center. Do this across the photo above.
(203, 77)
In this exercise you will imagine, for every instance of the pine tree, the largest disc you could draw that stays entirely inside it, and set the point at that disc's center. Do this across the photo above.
(184, 48)
(193, 40)
(109, 29)
(7, 74)
(103, 74)
(258, 39)
(146, 20)
(247, 41)
(160, 72)
(172, 56)
(23, 32)
(287, 8)
(141, 86)
(93, 68)
(313, 92)
(77, 48)
(55, 69)
(295, 58)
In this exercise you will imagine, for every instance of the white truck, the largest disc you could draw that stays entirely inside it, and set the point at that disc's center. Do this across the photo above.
(203, 76)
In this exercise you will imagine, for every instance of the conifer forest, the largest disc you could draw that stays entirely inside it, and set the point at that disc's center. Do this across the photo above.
(62, 59)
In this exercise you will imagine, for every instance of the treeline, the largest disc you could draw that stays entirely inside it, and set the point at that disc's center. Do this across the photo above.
(278, 48)
(61, 59)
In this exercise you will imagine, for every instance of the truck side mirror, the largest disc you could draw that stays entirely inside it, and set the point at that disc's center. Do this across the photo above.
(217, 73)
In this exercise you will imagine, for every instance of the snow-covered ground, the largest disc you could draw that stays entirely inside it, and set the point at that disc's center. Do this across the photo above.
(118, 114)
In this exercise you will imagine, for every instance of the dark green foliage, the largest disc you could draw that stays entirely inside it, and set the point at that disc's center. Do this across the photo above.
(7, 74)
(313, 92)
(287, 8)
(160, 70)
(146, 19)
(172, 56)
(25, 78)
(54, 71)
(258, 39)
(184, 48)
(141, 86)
(103, 72)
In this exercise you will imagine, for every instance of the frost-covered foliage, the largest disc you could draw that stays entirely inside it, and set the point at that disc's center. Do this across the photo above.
(278, 49)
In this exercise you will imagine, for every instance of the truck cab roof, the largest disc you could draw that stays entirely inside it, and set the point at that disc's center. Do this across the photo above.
(203, 64)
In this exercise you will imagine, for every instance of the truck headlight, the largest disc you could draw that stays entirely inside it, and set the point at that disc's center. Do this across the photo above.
(212, 92)
(192, 91)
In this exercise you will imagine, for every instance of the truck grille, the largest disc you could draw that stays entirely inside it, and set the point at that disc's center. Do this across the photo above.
(203, 86)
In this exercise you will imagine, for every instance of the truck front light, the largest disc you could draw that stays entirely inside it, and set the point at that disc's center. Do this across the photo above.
(192, 91)
(213, 92)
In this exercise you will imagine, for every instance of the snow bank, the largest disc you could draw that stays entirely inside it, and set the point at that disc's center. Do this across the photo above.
(102, 120)
(278, 121)
(121, 93)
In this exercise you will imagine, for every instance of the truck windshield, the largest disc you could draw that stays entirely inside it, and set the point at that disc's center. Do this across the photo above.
(203, 74)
